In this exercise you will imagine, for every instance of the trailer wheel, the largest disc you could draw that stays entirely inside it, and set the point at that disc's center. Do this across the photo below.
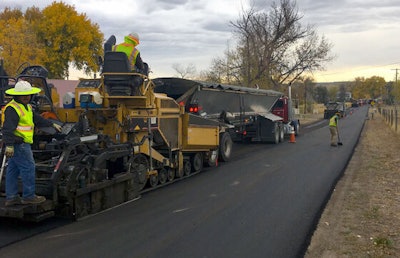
(171, 174)
(180, 172)
(139, 165)
(187, 167)
(225, 147)
(162, 176)
(153, 180)
(197, 162)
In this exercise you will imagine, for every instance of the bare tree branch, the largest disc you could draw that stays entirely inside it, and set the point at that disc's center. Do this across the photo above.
(184, 72)
(275, 48)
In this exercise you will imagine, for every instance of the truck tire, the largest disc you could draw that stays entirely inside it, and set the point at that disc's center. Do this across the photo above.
(212, 159)
(162, 176)
(179, 173)
(296, 126)
(225, 147)
(297, 129)
(281, 133)
(276, 136)
(153, 180)
(197, 162)
(187, 168)
(171, 174)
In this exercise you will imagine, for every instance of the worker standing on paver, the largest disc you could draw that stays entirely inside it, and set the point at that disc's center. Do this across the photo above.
(18, 129)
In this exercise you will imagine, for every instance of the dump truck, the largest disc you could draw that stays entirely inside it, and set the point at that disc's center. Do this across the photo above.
(331, 108)
(119, 138)
(256, 115)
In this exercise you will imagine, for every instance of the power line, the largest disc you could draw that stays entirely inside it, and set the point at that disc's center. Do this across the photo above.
(360, 69)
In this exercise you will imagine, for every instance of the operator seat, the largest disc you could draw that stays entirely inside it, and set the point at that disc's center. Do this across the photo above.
(122, 84)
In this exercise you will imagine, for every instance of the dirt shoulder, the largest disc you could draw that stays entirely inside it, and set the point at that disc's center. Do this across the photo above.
(362, 218)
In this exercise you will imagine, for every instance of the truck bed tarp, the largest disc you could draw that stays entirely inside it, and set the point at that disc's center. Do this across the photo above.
(270, 116)
(176, 87)
(216, 98)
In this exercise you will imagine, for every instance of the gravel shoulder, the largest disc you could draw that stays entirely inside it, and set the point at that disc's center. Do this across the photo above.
(362, 217)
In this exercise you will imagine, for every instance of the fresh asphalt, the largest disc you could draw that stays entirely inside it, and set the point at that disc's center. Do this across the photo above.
(265, 202)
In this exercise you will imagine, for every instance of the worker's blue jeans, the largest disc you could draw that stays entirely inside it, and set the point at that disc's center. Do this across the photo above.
(21, 164)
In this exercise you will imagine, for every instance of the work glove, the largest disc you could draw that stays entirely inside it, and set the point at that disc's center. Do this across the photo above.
(9, 151)
(57, 127)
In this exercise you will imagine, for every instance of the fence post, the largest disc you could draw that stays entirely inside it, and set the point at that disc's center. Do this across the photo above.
(391, 118)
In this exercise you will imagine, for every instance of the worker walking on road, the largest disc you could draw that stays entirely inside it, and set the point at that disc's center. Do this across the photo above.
(18, 128)
(333, 128)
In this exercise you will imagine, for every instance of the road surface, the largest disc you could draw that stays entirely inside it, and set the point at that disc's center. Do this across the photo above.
(266, 202)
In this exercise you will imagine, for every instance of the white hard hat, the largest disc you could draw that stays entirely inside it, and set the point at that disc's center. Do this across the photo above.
(134, 35)
(133, 38)
(23, 88)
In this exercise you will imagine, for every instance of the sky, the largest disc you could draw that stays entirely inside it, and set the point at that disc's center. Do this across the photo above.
(364, 33)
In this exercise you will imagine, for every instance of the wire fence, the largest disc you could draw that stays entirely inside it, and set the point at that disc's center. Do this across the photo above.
(391, 116)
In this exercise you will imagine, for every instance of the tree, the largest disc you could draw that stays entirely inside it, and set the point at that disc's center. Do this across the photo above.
(224, 69)
(341, 95)
(69, 38)
(303, 92)
(370, 88)
(357, 88)
(332, 93)
(390, 93)
(275, 48)
(375, 86)
(56, 38)
(18, 42)
(184, 72)
(320, 94)
(216, 73)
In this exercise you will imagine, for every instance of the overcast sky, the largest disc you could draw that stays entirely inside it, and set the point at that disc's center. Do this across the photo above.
(364, 33)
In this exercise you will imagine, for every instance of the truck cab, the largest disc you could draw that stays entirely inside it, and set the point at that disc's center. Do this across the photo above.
(284, 109)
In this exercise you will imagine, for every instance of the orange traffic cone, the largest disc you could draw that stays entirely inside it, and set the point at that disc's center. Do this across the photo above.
(292, 136)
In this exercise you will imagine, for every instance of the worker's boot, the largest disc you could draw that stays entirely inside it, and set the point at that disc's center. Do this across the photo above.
(34, 200)
(13, 201)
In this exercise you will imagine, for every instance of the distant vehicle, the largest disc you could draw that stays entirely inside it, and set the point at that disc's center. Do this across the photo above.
(331, 108)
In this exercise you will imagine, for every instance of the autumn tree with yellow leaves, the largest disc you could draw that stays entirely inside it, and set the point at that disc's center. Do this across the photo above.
(56, 37)
(368, 88)
(18, 42)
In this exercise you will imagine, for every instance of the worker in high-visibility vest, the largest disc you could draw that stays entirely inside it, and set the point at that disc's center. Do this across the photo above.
(18, 128)
(333, 128)
(133, 54)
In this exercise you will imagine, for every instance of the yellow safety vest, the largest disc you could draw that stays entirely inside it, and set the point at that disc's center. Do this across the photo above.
(130, 51)
(332, 121)
(25, 125)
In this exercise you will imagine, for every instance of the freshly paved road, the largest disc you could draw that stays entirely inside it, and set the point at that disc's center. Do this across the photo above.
(264, 203)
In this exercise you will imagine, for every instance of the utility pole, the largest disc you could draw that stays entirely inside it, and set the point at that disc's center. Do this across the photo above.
(397, 70)
(396, 87)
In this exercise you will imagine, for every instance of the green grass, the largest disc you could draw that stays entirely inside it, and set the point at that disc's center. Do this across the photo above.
(382, 242)
(373, 213)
